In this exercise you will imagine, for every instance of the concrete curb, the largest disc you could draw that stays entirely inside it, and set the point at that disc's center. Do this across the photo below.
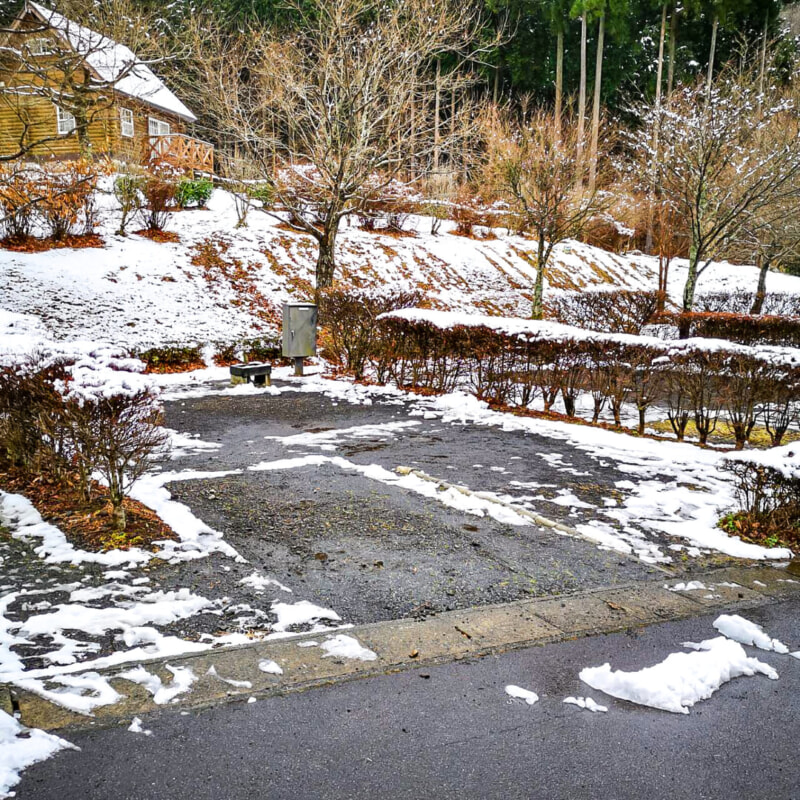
(408, 644)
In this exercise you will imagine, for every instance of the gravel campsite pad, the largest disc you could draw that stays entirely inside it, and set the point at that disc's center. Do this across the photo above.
(317, 503)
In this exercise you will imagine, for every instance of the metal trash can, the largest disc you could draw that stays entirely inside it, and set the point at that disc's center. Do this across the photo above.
(299, 333)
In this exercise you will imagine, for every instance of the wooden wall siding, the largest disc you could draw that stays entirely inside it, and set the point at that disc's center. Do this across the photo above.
(137, 148)
(105, 130)
(105, 135)
(40, 114)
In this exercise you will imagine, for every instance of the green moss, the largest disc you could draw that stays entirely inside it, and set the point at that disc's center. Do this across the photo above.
(724, 434)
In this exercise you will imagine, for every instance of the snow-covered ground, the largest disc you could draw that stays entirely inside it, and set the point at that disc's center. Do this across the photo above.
(136, 293)
(140, 293)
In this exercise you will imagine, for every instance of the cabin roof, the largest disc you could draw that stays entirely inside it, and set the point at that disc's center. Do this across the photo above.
(114, 63)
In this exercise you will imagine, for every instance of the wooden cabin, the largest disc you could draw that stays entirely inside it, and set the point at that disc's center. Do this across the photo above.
(67, 91)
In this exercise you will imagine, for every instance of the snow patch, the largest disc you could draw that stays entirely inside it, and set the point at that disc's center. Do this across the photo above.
(682, 679)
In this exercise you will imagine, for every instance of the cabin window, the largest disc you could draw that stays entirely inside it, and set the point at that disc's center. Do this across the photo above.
(40, 46)
(66, 121)
(157, 127)
(126, 122)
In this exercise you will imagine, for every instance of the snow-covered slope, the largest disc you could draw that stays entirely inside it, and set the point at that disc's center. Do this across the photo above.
(221, 284)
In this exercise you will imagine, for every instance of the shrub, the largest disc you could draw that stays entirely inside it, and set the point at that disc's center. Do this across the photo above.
(197, 192)
(467, 213)
(32, 431)
(18, 193)
(128, 193)
(780, 304)
(437, 211)
(740, 328)
(263, 192)
(619, 311)
(738, 302)
(158, 190)
(65, 196)
(697, 383)
(118, 435)
(172, 358)
(66, 427)
(768, 499)
(262, 349)
(350, 320)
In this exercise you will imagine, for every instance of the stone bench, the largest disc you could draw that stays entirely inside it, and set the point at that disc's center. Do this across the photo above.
(257, 370)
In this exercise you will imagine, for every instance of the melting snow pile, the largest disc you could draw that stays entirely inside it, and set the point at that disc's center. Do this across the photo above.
(682, 679)
(585, 703)
(518, 693)
(742, 630)
(343, 646)
(137, 727)
(183, 678)
(20, 747)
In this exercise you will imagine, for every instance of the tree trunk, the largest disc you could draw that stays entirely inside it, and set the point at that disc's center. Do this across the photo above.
(641, 420)
(659, 73)
(688, 292)
(452, 133)
(761, 290)
(673, 38)
(598, 81)
(763, 68)
(582, 89)
(436, 114)
(663, 274)
(710, 77)
(538, 291)
(326, 264)
(118, 517)
(559, 79)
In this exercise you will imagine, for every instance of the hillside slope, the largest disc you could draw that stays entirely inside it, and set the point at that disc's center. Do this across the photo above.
(221, 284)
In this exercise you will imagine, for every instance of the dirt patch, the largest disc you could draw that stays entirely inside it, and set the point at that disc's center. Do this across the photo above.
(159, 236)
(723, 434)
(87, 524)
(31, 244)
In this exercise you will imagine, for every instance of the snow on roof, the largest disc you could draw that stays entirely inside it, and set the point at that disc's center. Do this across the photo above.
(114, 63)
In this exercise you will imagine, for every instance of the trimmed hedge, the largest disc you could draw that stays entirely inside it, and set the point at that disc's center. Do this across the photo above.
(512, 367)
(781, 304)
(619, 311)
(740, 328)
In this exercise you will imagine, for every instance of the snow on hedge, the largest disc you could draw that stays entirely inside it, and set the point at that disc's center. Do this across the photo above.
(530, 330)
(785, 460)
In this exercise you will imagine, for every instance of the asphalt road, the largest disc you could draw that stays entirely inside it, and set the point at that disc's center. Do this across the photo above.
(451, 732)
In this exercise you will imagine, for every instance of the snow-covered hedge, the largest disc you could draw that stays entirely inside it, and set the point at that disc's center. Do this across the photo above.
(75, 409)
(746, 329)
(768, 483)
(511, 361)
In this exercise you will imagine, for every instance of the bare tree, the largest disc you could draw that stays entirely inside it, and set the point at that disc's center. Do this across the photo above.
(338, 110)
(771, 239)
(119, 436)
(723, 159)
(538, 168)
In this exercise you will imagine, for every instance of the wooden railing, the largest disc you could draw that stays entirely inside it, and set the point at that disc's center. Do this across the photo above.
(182, 151)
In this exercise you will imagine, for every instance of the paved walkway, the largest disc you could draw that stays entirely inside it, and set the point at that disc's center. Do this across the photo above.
(450, 731)
(232, 674)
